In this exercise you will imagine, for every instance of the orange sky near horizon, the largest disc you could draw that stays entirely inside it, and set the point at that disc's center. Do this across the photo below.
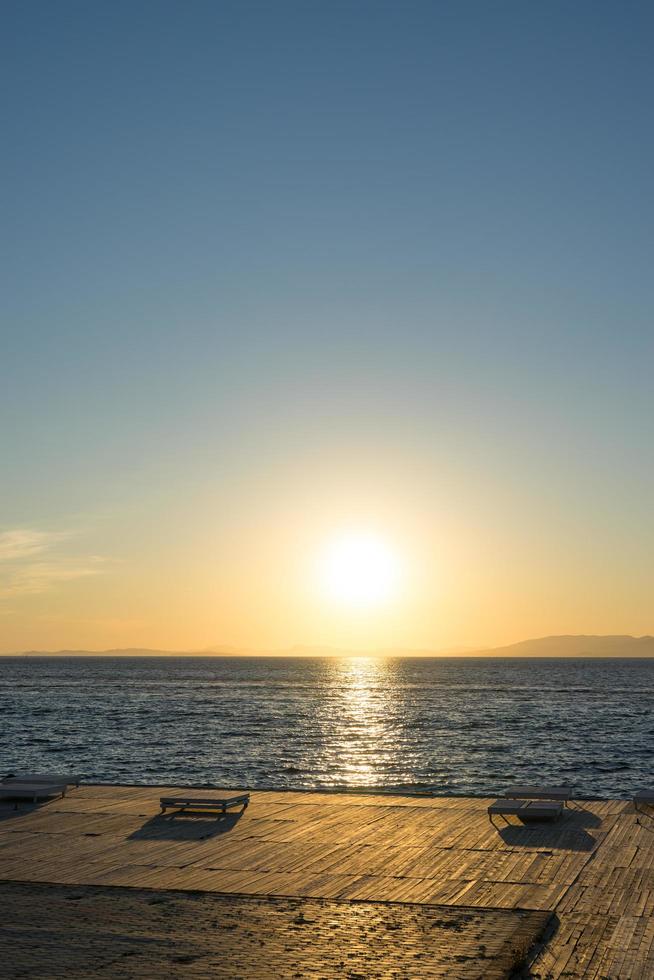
(250, 574)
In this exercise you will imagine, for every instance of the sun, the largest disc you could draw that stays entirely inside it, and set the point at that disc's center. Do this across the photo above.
(359, 569)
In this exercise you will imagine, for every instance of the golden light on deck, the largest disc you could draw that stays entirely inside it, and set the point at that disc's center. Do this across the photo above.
(359, 569)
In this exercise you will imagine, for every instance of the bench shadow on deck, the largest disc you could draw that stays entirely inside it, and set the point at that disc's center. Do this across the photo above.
(574, 822)
(186, 826)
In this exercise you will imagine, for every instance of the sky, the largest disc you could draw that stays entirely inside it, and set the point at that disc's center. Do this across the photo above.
(276, 274)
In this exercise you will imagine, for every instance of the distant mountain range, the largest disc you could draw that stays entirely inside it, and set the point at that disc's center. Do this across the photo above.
(544, 646)
(578, 646)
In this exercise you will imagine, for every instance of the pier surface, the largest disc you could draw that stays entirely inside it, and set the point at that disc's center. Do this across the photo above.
(307, 877)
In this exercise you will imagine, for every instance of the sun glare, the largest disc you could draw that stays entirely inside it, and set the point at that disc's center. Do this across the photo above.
(359, 569)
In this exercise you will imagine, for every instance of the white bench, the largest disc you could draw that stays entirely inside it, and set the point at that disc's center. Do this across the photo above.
(69, 779)
(203, 802)
(645, 797)
(31, 791)
(526, 810)
(540, 793)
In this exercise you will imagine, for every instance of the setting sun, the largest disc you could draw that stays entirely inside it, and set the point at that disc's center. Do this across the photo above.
(359, 569)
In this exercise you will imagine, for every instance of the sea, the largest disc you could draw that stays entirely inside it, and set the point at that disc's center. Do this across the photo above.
(436, 725)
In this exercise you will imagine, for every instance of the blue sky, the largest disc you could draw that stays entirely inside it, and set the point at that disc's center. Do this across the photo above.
(374, 244)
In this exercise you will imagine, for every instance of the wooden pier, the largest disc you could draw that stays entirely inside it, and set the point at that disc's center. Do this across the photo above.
(581, 888)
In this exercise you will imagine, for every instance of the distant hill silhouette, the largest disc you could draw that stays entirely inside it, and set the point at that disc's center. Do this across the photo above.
(123, 652)
(544, 646)
(578, 646)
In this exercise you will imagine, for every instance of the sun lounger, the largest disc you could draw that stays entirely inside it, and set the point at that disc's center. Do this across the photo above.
(203, 802)
(31, 791)
(42, 777)
(643, 797)
(540, 793)
(526, 810)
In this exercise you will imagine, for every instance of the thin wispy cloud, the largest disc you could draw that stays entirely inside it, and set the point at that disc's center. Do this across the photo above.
(24, 542)
(31, 562)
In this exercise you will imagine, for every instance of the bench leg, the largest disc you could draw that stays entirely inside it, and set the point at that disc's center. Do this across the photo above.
(491, 817)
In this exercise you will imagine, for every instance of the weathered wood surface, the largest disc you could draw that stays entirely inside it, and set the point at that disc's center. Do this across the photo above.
(594, 868)
(50, 931)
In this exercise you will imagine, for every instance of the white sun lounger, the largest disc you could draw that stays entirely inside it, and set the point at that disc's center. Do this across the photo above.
(220, 802)
(31, 791)
(643, 797)
(540, 793)
(69, 779)
(526, 810)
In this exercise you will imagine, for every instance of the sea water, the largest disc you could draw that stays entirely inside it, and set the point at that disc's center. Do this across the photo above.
(446, 725)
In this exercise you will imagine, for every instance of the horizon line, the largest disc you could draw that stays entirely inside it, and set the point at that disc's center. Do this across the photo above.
(512, 650)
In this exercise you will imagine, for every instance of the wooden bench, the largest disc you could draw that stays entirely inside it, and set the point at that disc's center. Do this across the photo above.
(203, 802)
(526, 810)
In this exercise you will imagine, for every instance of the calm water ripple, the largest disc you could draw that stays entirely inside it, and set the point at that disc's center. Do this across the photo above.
(451, 725)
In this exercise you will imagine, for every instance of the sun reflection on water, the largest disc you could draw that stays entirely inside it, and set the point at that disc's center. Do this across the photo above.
(359, 729)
